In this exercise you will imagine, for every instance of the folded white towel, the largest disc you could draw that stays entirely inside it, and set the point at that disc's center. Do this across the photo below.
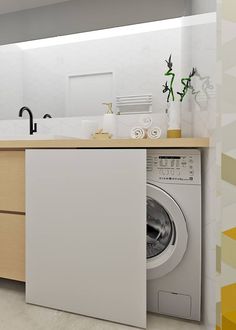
(138, 133)
(154, 132)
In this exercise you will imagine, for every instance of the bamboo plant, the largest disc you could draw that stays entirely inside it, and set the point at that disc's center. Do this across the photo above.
(168, 87)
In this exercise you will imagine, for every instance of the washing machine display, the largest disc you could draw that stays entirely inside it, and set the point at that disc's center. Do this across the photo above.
(160, 229)
(174, 169)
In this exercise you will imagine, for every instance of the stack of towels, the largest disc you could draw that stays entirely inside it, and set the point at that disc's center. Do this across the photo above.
(145, 130)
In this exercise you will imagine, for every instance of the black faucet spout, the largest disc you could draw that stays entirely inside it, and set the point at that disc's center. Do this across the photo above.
(33, 126)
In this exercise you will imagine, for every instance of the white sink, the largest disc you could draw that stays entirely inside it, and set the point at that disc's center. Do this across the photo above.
(33, 137)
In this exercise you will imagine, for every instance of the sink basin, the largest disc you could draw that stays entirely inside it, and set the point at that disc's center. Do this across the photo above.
(33, 137)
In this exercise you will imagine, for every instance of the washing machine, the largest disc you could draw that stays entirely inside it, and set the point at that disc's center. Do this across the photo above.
(174, 232)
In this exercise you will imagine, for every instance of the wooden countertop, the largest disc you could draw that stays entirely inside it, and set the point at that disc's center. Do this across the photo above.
(116, 143)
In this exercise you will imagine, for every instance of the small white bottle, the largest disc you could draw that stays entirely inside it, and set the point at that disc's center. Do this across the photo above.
(109, 121)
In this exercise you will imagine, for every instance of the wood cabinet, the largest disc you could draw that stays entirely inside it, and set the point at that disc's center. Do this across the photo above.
(86, 232)
(12, 218)
(12, 246)
(12, 181)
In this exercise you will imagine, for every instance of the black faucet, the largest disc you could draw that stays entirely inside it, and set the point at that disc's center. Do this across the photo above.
(47, 116)
(33, 126)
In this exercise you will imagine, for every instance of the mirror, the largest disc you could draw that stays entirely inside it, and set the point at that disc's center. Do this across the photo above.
(73, 75)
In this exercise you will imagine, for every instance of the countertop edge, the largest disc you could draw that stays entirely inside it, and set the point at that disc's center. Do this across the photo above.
(112, 143)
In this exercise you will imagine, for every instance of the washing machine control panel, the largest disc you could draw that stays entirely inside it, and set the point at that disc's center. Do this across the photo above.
(168, 168)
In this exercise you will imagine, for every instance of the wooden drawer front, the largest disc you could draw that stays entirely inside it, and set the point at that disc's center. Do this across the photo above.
(12, 246)
(12, 181)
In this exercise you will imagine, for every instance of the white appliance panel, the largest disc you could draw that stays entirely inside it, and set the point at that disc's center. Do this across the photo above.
(86, 232)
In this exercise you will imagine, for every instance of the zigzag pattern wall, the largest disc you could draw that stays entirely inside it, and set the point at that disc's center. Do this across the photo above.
(226, 256)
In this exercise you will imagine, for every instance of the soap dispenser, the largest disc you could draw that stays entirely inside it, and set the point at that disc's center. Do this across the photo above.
(109, 121)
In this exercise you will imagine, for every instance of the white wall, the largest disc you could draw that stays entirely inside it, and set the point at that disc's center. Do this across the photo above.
(203, 6)
(84, 15)
(204, 58)
(138, 66)
(11, 6)
(11, 87)
(136, 61)
(203, 44)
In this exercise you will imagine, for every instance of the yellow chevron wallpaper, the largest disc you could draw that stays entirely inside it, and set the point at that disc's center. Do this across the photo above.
(226, 256)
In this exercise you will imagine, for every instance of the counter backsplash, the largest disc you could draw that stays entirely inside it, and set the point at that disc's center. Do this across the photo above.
(72, 126)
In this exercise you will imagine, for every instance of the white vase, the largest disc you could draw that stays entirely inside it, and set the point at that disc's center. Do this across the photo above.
(174, 120)
(88, 127)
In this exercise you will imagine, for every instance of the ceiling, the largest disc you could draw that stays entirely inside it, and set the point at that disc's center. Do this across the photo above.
(9, 6)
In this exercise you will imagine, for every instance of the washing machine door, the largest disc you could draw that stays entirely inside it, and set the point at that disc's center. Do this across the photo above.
(167, 234)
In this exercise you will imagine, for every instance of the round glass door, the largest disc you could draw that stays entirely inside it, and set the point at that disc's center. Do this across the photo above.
(167, 234)
(160, 229)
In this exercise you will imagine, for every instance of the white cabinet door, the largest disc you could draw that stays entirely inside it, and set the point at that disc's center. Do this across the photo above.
(86, 232)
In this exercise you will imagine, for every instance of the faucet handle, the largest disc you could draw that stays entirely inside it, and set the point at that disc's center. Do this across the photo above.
(47, 116)
(35, 127)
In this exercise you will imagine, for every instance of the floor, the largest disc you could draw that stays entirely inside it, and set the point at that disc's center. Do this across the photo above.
(16, 315)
